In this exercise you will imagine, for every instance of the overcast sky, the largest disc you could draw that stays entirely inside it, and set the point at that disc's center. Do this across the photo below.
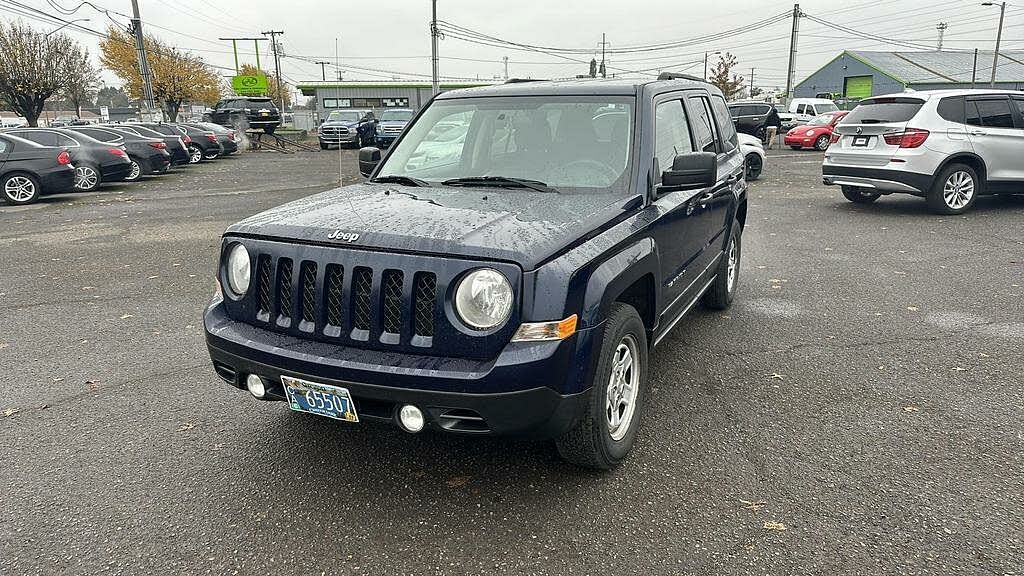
(384, 39)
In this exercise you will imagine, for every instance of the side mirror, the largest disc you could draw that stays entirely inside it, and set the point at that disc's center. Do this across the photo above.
(693, 170)
(369, 157)
(322, 120)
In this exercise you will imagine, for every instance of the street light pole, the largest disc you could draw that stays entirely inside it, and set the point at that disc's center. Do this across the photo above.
(706, 62)
(999, 37)
(435, 84)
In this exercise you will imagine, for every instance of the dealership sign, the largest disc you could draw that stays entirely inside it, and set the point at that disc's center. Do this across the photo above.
(249, 85)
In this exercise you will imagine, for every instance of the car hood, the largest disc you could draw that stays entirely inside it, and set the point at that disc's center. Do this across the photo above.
(392, 123)
(801, 130)
(340, 123)
(515, 225)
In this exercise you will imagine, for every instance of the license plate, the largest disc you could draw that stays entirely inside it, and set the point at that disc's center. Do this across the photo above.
(320, 399)
(264, 113)
(861, 140)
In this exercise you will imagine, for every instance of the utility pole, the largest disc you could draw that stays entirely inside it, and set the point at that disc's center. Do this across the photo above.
(435, 85)
(791, 70)
(140, 49)
(751, 82)
(974, 74)
(277, 62)
(603, 68)
(942, 32)
(706, 53)
(323, 69)
(999, 38)
(505, 59)
(234, 48)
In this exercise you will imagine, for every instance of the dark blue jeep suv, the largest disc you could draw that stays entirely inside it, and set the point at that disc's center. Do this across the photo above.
(505, 269)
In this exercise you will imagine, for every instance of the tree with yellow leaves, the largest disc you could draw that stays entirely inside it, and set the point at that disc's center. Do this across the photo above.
(178, 77)
(250, 70)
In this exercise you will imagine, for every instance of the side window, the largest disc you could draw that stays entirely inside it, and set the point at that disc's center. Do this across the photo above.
(800, 109)
(671, 133)
(811, 110)
(995, 113)
(703, 125)
(63, 140)
(725, 126)
(952, 109)
(3, 146)
(734, 111)
(44, 138)
(971, 111)
(1019, 102)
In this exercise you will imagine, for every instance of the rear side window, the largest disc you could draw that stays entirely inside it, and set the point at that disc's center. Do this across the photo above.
(952, 109)
(995, 113)
(725, 126)
(734, 111)
(1019, 102)
(671, 134)
(703, 125)
(884, 111)
(4, 146)
(44, 138)
(101, 135)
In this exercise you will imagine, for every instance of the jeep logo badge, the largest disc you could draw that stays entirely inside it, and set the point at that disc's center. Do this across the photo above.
(343, 236)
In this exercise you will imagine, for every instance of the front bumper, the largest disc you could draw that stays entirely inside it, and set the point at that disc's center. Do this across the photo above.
(803, 141)
(880, 180)
(516, 394)
(385, 139)
(335, 139)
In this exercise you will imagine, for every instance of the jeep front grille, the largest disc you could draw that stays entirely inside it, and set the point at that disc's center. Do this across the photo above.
(363, 299)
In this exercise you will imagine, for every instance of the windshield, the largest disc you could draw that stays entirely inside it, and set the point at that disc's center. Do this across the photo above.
(826, 107)
(339, 116)
(822, 120)
(572, 143)
(396, 116)
(884, 111)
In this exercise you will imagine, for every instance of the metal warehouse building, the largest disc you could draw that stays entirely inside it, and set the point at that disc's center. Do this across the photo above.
(857, 74)
(376, 95)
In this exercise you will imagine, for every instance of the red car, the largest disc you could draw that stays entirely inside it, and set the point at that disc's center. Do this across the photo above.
(815, 134)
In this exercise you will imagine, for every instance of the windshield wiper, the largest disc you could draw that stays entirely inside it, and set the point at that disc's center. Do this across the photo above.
(501, 181)
(403, 180)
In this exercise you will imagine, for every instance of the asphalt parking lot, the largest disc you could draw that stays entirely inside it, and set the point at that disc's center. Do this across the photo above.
(857, 411)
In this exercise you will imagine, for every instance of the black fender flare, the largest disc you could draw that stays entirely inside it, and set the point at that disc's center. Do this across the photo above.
(613, 276)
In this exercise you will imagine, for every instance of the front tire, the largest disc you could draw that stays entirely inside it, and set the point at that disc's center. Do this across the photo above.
(821, 144)
(954, 190)
(136, 171)
(20, 189)
(754, 166)
(195, 154)
(606, 432)
(859, 195)
(723, 289)
(87, 178)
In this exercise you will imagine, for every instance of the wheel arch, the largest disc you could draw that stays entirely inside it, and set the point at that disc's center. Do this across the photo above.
(628, 277)
(970, 159)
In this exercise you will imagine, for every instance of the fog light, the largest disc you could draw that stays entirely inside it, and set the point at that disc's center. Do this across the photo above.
(255, 385)
(411, 418)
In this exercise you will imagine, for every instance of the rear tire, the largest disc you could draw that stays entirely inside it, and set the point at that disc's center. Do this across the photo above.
(859, 195)
(136, 171)
(195, 154)
(723, 289)
(753, 165)
(606, 431)
(87, 178)
(20, 188)
(954, 190)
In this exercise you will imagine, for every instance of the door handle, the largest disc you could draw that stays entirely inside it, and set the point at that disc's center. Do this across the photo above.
(707, 197)
(977, 132)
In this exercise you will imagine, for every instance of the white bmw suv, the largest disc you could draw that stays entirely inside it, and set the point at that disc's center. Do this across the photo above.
(948, 146)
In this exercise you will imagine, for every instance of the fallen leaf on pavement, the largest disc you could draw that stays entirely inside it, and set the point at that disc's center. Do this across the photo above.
(94, 385)
(754, 506)
(186, 426)
(913, 308)
(11, 412)
(458, 481)
(776, 376)
(911, 409)
(126, 316)
(772, 525)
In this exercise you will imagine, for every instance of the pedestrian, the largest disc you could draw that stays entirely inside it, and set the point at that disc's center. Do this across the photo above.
(772, 123)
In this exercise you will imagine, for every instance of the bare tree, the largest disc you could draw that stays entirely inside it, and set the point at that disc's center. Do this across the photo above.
(83, 84)
(731, 86)
(34, 66)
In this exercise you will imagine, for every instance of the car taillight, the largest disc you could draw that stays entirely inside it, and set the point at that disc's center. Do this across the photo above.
(909, 138)
(188, 139)
(118, 152)
(835, 137)
(231, 136)
(64, 158)
(158, 145)
(212, 138)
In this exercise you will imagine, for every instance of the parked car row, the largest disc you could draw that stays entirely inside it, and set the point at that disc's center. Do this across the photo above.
(359, 127)
(39, 161)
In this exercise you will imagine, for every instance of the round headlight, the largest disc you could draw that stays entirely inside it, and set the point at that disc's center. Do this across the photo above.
(810, 132)
(483, 299)
(238, 269)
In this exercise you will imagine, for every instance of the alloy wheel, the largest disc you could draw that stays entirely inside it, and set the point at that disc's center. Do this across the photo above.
(86, 178)
(958, 191)
(195, 155)
(623, 386)
(732, 266)
(19, 189)
(136, 171)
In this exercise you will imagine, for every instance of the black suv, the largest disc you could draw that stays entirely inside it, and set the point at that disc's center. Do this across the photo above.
(751, 117)
(244, 112)
(505, 269)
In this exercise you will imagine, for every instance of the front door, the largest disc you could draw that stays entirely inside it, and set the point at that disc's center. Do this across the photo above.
(995, 137)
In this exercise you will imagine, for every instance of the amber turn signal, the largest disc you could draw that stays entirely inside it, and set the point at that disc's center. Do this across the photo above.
(540, 331)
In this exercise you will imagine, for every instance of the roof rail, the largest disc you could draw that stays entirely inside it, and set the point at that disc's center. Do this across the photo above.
(522, 80)
(678, 76)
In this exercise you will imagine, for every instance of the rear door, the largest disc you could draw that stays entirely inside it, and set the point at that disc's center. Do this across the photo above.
(5, 152)
(862, 132)
(995, 136)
